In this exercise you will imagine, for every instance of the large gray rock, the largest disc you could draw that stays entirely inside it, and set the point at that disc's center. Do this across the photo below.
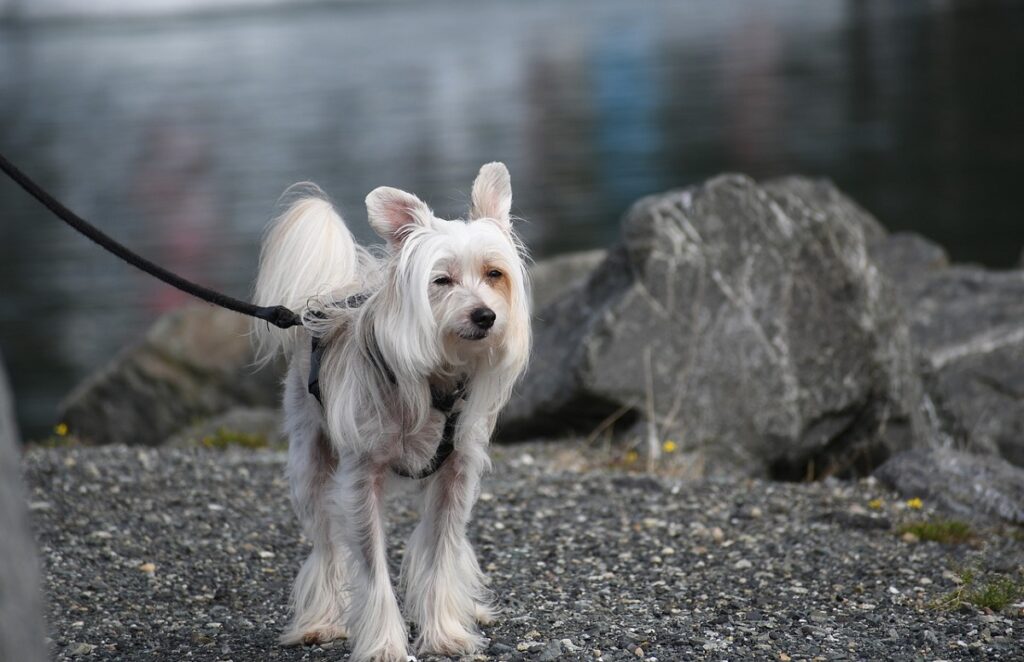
(246, 426)
(194, 363)
(552, 278)
(968, 324)
(909, 261)
(972, 486)
(21, 625)
(749, 320)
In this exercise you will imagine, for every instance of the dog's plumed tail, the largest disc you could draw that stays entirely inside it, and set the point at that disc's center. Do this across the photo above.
(308, 255)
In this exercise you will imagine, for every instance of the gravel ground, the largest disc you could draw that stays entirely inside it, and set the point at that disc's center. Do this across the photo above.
(188, 554)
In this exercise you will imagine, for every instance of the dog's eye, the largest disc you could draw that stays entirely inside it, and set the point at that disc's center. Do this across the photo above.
(443, 280)
(495, 274)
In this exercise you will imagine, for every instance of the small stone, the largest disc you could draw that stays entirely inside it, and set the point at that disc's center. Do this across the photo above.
(784, 658)
(263, 554)
(756, 512)
(818, 616)
(77, 649)
(639, 652)
(910, 537)
(149, 568)
(522, 647)
(743, 564)
(551, 652)
(717, 534)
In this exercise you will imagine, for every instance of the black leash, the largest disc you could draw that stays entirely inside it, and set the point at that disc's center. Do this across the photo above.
(279, 316)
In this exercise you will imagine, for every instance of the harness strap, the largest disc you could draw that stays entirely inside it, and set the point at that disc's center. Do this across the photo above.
(443, 401)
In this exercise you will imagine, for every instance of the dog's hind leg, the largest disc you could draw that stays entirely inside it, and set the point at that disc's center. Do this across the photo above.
(376, 627)
(443, 584)
(319, 593)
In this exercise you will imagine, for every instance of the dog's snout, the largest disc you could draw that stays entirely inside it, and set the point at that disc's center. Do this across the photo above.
(483, 317)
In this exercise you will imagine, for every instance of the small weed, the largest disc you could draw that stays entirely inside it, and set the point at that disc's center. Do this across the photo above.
(994, 593)
(223, 438)
(948, 531)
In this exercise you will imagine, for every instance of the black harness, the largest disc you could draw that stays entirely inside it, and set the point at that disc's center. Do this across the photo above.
(442, 401)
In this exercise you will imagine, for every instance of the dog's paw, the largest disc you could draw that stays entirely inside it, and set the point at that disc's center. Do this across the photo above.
(454, 642)
(308, 636)
(388, 652)
(323, 635)
(484, 614)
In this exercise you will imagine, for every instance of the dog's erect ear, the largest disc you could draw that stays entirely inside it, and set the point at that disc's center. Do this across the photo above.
(394, 213)
(492, 194)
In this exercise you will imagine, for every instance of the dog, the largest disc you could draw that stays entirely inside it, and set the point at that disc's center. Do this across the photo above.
(413, 347)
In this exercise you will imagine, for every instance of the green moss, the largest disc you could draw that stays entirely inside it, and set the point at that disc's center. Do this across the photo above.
(996, 592)
(223, 438)
(948, 531)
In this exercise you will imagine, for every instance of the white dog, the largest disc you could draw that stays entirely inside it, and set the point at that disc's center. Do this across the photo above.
(412, 355)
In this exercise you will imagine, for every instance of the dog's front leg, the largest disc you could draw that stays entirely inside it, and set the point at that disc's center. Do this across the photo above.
(443, 583)
(375, 625)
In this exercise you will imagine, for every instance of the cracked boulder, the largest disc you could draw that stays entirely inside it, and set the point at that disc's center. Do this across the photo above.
(193, 364)
(967, 485)
(968, 325)
(745, 322)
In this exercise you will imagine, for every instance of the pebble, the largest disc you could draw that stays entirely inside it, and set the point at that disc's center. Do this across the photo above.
(79, 649)
(552, 651)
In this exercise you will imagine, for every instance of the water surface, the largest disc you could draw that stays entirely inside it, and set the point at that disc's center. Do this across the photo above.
(177, 135)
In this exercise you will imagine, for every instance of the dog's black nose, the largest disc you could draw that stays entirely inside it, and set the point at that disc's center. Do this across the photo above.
(483, 317)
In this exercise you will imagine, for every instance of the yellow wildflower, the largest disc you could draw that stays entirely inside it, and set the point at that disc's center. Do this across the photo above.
(632, 456)
(915, 503)
(61, 429)
(669, 446)
(875, 504)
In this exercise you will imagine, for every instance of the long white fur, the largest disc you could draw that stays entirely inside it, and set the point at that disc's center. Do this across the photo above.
(340, 455)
